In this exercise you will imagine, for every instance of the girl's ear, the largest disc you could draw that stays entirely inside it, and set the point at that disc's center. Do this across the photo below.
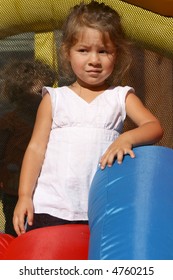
(68, 56)
(115, 53)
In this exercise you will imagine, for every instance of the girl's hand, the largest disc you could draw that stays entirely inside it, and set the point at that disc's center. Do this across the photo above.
(23, 208)
(117, 149)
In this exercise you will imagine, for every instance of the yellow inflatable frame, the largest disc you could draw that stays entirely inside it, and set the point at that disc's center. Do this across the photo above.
(148, 28)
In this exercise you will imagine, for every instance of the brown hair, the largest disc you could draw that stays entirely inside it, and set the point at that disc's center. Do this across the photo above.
(106, 20)
(24, 77)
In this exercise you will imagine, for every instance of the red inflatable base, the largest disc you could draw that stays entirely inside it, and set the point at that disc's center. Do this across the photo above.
(5, 240)
(67, 242)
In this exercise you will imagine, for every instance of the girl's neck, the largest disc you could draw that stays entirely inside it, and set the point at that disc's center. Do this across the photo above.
(92, 88)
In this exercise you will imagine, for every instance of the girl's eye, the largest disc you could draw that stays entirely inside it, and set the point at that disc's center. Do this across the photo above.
(103, 51)
(82, 50)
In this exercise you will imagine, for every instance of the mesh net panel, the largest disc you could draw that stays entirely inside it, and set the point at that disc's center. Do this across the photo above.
(151, 75)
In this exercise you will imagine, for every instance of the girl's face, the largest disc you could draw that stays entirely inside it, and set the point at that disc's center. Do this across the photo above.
(92, 58)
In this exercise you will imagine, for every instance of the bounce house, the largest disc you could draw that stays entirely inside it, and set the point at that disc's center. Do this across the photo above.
(130, 205)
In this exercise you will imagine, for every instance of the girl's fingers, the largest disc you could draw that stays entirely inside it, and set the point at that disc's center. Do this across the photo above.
(109, 157)
(18, 226)
(30, 218)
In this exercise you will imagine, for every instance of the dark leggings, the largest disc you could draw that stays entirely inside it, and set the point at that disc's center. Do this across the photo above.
(46, 220)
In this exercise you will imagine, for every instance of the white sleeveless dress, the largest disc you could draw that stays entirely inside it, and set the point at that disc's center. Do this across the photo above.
(81, 132)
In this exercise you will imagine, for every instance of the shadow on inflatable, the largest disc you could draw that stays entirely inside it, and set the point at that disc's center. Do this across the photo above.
(130, 216)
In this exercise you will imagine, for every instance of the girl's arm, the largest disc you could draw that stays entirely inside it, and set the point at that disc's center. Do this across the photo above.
(32, 163)
(148, 131)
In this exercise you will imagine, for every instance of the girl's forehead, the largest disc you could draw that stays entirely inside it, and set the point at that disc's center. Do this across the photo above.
(87, 34)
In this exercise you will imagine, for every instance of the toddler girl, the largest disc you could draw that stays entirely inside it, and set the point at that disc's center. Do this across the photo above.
(79, 127)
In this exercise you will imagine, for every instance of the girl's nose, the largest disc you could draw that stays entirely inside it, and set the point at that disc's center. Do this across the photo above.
(94, 59)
